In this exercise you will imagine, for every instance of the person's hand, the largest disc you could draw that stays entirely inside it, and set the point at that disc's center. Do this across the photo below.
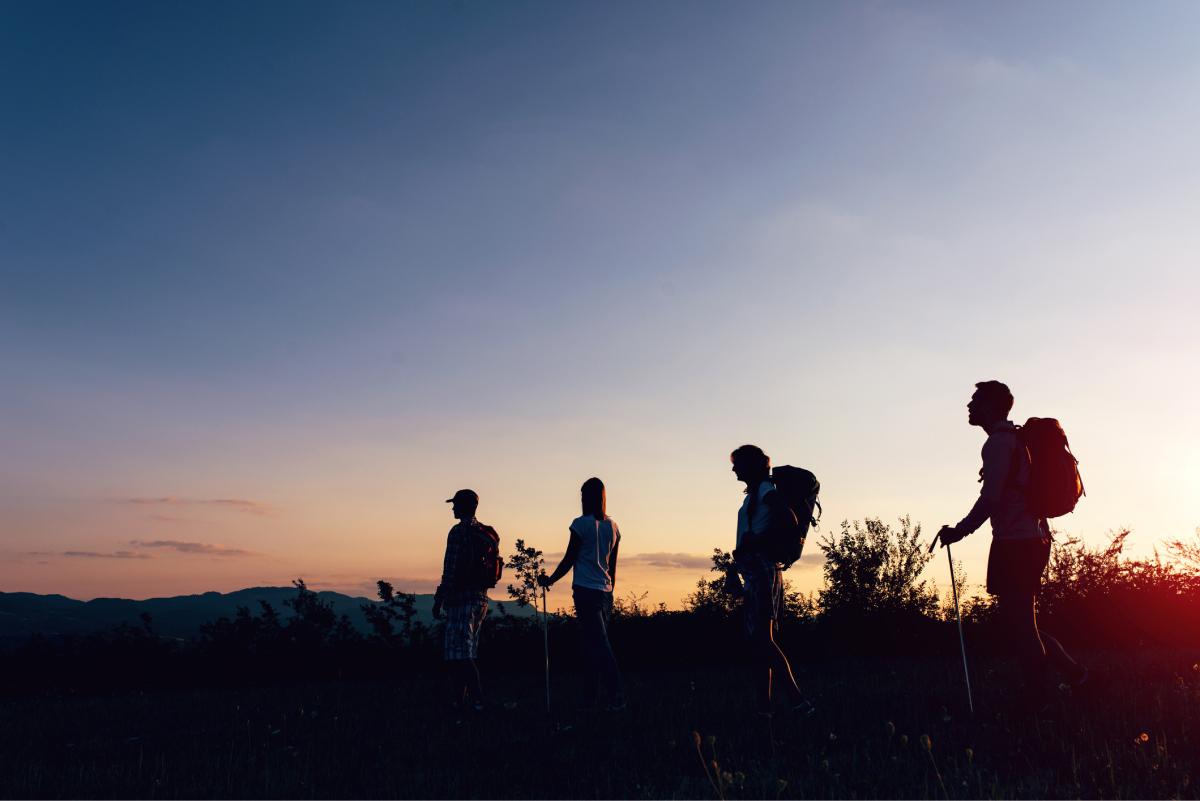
(544, 581)
(437, 610)
(949, 535)
(733, 584)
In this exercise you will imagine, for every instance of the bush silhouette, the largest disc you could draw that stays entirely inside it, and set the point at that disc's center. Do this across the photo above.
(874, 601)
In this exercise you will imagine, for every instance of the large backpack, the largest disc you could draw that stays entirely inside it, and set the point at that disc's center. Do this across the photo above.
(1055, 485)
(484, 564)
(798, 488)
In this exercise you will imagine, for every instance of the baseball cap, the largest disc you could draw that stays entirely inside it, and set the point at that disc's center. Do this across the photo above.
(465, 496)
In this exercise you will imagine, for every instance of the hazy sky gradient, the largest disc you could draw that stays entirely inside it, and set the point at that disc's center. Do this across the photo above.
(337, 262)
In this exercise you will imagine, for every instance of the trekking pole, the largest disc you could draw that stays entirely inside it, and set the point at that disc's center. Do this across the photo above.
(962, 643)
(546, 645)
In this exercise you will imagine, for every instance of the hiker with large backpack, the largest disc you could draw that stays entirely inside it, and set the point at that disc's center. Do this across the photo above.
(771, 526)
(1028, 476)
(471, 567)
(592, 555)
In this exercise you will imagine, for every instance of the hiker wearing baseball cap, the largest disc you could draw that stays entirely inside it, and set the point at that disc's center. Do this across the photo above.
(471, 567)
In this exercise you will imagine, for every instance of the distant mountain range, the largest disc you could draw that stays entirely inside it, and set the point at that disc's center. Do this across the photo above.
(26, 613)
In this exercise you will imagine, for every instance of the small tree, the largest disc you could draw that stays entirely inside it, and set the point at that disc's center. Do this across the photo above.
(314, 623)
(395, 609)
(871, 568)
(527, 564)
(710, 597)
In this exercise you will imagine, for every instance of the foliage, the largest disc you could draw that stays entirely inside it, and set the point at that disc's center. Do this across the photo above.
(1106, 598)
(313, 623)
(873, 569)
(710, 599)
(946, 607)
(392, 620)
(527, 564)
(1186, 552)
(634, 605)
(874, 603)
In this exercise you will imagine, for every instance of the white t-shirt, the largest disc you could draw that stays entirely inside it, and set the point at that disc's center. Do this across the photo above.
(597, 538)
(762, 513)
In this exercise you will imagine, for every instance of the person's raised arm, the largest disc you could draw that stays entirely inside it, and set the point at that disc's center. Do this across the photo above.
(997, 461)
(568, 562)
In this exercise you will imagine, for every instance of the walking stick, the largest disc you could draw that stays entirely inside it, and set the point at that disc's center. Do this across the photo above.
(962, 643)
(546, 646)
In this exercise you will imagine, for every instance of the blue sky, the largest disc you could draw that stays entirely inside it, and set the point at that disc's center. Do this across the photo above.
(339, 261)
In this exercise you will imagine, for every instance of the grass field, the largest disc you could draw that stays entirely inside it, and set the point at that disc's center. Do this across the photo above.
(1131, 733)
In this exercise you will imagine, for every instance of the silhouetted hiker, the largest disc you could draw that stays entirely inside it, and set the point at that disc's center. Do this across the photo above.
(760, 585)
(1020, 547)
(471, 567)
(592, 553)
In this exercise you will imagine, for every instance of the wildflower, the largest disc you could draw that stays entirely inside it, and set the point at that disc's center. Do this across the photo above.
(1144, 737)
(832, 736)
(926, 743)
(780, 785)
(903, 739)
(890, 727)
(696, 738)
(970, 756)
(726, 777)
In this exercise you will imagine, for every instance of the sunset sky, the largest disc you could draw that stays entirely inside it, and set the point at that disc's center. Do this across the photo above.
(277, 278)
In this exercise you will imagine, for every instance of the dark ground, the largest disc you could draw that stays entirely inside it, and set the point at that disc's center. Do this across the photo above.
(1131, 732)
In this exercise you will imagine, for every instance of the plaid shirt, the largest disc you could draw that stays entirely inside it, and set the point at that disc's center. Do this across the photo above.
(451, 591)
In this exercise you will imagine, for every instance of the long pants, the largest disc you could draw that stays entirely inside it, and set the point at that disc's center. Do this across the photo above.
(593, 609)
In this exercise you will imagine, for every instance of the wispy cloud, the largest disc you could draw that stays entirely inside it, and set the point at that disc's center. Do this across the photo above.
(201, 548)
(110, 555)
(669, 561)
(233, 504)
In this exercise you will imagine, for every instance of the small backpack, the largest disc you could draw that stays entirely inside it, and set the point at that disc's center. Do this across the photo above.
(798, 489)
(1055, 485)
(484, 563)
